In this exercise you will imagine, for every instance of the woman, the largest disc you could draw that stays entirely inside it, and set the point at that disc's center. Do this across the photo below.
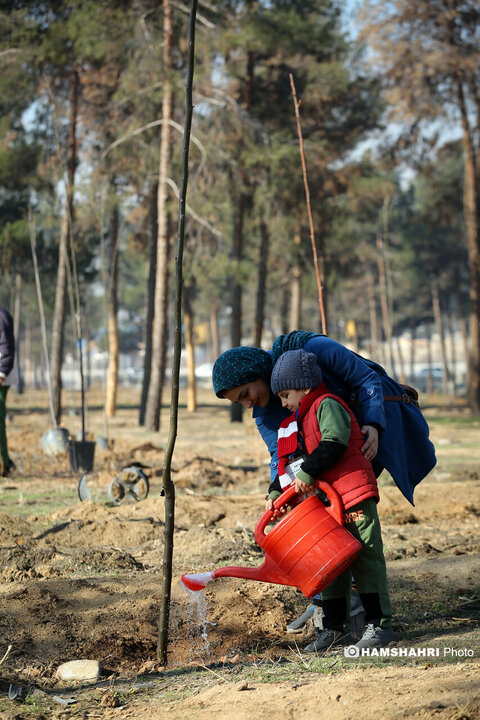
(395, 431)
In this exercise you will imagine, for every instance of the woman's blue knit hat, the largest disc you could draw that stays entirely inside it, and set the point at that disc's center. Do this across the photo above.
(240, 366)
(295, 370)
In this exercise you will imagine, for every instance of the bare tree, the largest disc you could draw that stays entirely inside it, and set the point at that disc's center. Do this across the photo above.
(58, 325)
(154, 398)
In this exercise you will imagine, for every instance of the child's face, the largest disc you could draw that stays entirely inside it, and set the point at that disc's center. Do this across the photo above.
(252, 394)
(291, 399)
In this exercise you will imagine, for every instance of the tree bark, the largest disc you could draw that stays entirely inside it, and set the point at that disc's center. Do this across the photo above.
(58, 324)
(155, 390)
(113, 343)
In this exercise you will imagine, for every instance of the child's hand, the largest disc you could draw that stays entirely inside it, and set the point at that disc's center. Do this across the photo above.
(302, 487)
(370, 446)
(276, 512)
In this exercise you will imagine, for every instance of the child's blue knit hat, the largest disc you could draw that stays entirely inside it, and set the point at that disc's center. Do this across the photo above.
(295, 370)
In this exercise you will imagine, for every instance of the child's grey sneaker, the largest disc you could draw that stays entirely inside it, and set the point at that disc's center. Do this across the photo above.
(376, 637)
(327, 639)
(297, 625)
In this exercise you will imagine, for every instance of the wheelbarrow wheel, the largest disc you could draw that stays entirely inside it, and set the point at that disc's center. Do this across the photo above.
(130, 484)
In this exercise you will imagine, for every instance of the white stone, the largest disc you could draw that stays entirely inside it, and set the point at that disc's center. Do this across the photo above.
(79, 670)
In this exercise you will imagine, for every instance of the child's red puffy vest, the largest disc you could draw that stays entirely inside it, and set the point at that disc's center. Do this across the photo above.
(352, 476)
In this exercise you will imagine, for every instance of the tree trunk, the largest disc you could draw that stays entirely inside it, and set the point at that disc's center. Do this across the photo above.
(437, 314)
(284, 307)
(236, 328)
(236, 411)
(372, 312)
(401, 362)
(18, 334)
(188, 292)
(152, 267)
(453, 352)
(471, 205)
(261, 284)
(466, 348)
(88, 363)
(429, 361)
(387, 326)
(296, 288)
(58, 324)
(412, 353)
(160, 323)
(29, 379)
(112, 312)
(214, 336)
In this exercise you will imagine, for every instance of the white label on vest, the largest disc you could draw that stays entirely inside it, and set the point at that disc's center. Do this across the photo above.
(291, 472)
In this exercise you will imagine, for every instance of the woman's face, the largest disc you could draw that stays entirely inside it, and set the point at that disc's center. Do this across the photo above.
(252, 394)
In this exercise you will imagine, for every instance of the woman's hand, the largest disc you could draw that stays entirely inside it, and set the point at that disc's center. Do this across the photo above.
(370, 446)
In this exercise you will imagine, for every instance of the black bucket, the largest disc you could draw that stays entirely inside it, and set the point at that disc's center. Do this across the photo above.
(81, 454)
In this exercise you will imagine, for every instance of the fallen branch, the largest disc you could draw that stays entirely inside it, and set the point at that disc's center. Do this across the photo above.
(7, 653)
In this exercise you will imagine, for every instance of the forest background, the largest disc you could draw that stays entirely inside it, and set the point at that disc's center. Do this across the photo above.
(92, 112)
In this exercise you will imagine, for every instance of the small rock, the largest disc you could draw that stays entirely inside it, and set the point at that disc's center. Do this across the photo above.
(147, 667)
(110, 699)
(79, 670)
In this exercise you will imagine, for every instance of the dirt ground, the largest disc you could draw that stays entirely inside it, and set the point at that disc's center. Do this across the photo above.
(83, 580)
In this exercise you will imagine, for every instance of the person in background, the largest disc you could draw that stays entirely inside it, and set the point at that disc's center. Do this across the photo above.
(7, 356)
(323, 436)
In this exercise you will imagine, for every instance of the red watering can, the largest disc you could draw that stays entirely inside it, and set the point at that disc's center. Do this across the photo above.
(307, 548)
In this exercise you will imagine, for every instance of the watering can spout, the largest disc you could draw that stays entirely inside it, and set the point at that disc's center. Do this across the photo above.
(268, 572)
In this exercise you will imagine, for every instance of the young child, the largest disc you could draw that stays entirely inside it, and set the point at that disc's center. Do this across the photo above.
(325, 432)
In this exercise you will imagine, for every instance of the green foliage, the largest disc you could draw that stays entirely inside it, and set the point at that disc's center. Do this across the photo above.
(245, 142)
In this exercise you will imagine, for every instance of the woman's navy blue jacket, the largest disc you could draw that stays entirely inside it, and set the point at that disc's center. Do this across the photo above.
(404, 450)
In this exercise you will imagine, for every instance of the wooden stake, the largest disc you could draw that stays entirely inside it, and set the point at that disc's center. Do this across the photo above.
(309, 208)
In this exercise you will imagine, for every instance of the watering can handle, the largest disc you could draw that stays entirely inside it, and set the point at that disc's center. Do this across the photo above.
(335, 508)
